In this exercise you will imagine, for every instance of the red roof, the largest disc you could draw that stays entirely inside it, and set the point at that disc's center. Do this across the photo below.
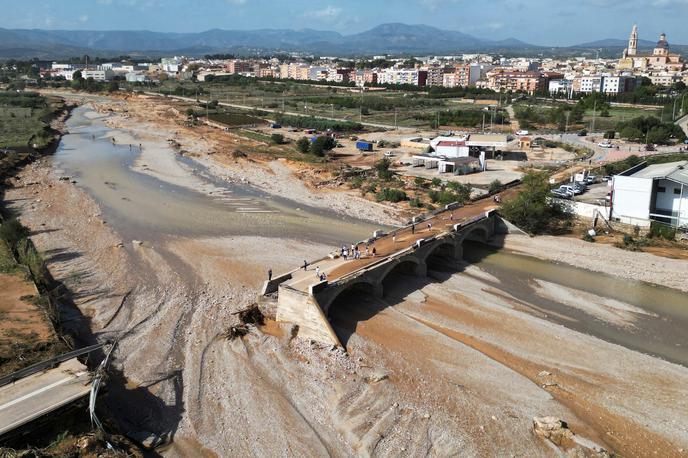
(451, 143)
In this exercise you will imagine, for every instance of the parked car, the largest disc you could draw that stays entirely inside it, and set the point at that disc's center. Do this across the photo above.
(582, 133)
(607, 178)
(389, 154)
(572, 189)
(605, 144)
(560, 194)
(590, 179)
(522, 132)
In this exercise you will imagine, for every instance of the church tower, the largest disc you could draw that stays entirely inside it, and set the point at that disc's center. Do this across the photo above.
(633, 42)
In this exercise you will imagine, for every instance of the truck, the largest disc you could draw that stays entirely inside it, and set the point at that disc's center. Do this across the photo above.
(364, 146)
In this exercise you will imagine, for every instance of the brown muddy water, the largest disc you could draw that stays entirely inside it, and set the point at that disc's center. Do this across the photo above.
(658, 316)
(142, 207)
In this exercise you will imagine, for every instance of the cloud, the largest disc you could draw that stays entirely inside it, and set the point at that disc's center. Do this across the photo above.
(83, 18)
(329, 12)
(433, 5)
(236, 2)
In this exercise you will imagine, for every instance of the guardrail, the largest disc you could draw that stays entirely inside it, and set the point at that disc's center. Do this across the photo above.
(38, 367)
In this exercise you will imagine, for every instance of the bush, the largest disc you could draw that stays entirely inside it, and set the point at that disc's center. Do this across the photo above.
(277, 139)
(662, 230)
(436, 183)
(494, 186)
(420, 182)
(356, 182)
(461, 191)
(391, 195)
(588, 238)
(415, 202)
(610, 134)
(382, 167)
(532, 210)
(12, 231)
(303, 144)
(322, 144)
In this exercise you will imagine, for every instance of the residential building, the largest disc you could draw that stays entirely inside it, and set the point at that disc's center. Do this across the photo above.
(505, 80)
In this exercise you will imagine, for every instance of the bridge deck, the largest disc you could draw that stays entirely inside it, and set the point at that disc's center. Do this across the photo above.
(385, 246)
(41, 393)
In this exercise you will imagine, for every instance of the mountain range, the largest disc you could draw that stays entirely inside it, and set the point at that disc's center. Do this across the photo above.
(384, 39)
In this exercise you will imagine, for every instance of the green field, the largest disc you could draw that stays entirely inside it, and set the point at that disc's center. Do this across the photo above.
(617, 115)
(388, 107)
(24, 120)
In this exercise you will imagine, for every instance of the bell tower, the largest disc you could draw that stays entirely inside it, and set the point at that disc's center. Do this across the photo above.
(633, 42)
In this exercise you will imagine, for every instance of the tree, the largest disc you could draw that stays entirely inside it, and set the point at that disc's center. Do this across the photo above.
(113, 86)
(321, 145)
(610, 134)
(532, 210)
(77, 75)
(277, 139)
(303, 144)
(382, 168)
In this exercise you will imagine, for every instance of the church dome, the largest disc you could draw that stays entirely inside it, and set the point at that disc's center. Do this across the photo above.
(662, 43)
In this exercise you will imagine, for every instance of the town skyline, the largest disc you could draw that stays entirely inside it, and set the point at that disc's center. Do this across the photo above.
(548, 25)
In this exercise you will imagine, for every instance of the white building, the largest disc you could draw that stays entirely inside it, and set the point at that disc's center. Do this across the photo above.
(591, 83)
(562, 86)
(97, 75)
(648, 193)
(618, 84)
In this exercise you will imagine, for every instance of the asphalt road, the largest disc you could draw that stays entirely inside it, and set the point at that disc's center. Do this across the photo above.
(41, 393)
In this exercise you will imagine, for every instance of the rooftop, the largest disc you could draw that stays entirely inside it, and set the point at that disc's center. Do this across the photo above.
(676, 171)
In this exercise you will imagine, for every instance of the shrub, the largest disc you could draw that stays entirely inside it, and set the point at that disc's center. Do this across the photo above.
(382, 167)
(610, 134)
(494, 186)
(588, 238)
(436, 183)
(356, 182)
(532, 210)
(420, 182)
(12, 231)
(303, 144)
(662, 230)
(277, 139)
(415, 202)
(391, 195)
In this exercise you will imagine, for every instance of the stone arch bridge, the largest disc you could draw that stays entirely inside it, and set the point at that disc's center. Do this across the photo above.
(304, 300)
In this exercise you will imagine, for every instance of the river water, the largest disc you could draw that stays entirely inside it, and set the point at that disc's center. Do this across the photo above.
(139, 206)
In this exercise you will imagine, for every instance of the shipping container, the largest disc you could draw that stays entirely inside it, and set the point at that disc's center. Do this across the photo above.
(364, 146)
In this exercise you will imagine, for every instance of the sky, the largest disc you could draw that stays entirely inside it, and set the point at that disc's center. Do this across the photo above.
(542, 22)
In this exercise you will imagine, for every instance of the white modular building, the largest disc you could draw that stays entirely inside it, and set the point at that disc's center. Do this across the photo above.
(647, 193)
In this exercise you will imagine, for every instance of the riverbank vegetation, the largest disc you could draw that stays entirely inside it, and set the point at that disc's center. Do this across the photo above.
(533, 210)
(25, 119)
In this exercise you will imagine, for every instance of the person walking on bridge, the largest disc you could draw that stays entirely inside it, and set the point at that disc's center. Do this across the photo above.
(317, 271)
(269, 274)
(305, 265)
(413, 228)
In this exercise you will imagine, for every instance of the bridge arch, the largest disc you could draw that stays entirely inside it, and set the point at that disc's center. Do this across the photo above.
(477, 233)
(359, 285)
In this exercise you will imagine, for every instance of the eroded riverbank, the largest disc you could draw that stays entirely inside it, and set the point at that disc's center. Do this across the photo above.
(447, 366)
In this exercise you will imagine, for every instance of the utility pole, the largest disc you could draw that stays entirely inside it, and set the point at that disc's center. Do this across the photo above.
(395, 119)
(594, 113)
(566, 128)
(483, 122)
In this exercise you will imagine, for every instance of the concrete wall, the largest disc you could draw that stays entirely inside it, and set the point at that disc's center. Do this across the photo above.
(303, 310)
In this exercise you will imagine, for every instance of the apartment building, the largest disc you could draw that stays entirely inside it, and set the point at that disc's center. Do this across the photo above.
(412, 77)
(502, 80)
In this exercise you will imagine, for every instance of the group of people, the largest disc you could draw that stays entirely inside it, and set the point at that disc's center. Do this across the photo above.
(354, 252)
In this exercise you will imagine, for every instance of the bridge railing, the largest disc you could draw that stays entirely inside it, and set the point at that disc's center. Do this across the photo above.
(47, 364)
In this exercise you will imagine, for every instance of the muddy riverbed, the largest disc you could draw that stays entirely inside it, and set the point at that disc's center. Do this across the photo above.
(454, 364)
